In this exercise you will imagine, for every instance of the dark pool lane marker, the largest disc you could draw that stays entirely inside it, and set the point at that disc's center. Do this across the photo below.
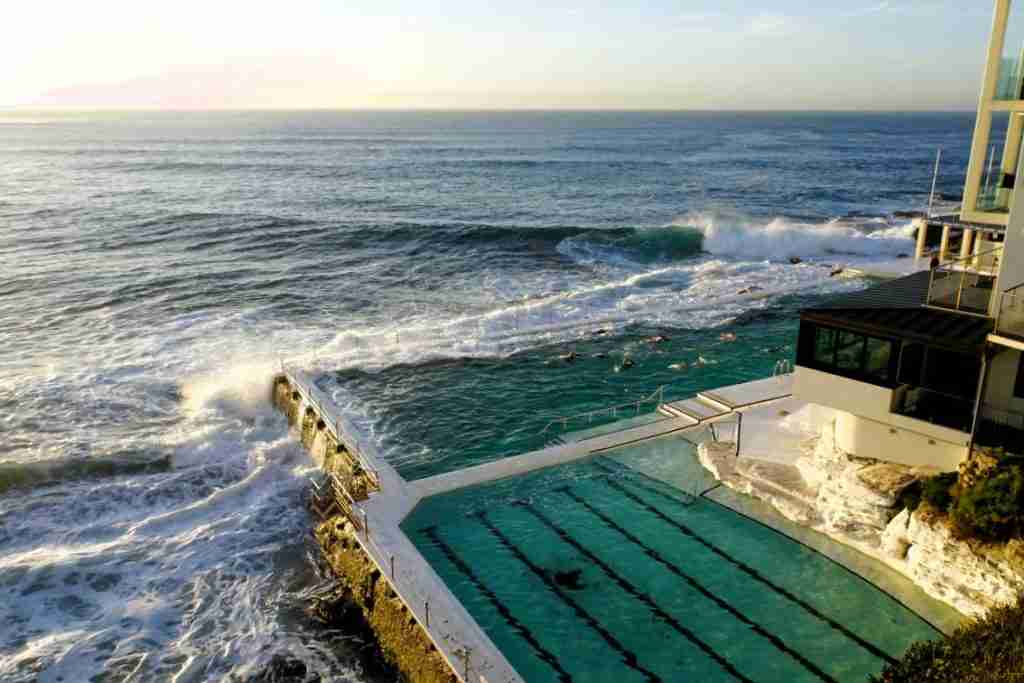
(743, 567)
(669, 619)
(677, 571)
(525, 633)
(629, 658)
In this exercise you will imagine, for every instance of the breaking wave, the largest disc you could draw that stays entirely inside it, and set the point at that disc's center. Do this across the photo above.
(781, 239)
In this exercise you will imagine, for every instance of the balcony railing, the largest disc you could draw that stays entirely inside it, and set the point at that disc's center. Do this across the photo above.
(965, 284)
(1011, 312)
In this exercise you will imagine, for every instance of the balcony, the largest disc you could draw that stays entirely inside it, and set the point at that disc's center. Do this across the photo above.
(1010, 322)
(966, 284)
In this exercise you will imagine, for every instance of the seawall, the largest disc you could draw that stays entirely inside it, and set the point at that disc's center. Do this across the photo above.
(403, 642)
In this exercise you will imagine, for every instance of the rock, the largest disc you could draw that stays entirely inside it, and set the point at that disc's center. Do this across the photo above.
(902, 255)
(855, 500)
(969, 580)
(894, 539)
(795, 260)
(627, 363)
(886, 481)
(282, 669)
(719, 458)
(835, 272)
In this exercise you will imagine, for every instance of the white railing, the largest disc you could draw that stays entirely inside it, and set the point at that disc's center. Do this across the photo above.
(782, 368)
(965, 284)
(623, 409)
(312, 396)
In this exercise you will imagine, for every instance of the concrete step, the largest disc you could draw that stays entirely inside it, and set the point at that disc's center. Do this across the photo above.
(696, 409)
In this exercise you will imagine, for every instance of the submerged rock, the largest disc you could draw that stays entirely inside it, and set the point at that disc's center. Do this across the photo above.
(284, 669)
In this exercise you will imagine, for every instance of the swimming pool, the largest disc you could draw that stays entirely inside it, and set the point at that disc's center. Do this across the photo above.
(598, 571)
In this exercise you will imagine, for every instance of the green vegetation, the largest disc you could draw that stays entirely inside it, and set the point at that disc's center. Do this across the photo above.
(992, 509)
(987, 505)
(936, 491)
(990, 650)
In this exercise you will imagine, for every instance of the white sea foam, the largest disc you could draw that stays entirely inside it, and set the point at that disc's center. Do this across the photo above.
(179, 575)
(781, 239)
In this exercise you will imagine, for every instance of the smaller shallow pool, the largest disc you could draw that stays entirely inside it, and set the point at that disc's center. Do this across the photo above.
(596, 571)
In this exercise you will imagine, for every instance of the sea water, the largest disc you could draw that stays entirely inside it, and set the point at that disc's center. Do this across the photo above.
(435, 268)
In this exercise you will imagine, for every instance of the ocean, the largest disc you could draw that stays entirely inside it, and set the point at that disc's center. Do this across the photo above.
(462, 280)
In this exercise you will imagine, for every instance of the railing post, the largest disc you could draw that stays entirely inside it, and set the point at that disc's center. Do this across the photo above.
(960, 289)
(739, 432)
(426, 609)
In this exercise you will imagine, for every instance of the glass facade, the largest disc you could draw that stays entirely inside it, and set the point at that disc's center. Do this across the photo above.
(1010, 83)
(998, 175)
(850, 354)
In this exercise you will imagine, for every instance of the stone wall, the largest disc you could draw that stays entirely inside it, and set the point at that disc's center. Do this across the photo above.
(855, 501)
(402, 641)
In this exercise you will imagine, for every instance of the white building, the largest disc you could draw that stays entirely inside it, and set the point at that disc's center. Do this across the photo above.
(923, 368)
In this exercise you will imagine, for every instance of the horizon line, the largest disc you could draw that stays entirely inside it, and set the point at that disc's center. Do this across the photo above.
(469, 110)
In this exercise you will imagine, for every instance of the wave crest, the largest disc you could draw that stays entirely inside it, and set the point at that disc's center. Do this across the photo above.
(736, 236)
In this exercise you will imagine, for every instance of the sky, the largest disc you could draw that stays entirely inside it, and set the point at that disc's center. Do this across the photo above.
(486, 54)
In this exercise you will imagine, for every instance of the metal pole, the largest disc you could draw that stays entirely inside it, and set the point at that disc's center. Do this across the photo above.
(739, 432)
(426, 605)
(392, 566)
(935, 178)
(960, 289)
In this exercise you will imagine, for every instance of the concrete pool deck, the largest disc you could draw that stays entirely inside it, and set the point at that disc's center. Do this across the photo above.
(466, 648)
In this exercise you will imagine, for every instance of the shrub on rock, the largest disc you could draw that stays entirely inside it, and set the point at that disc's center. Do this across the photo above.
(989, 650)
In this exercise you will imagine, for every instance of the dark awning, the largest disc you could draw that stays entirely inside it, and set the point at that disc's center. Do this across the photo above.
(896, 310)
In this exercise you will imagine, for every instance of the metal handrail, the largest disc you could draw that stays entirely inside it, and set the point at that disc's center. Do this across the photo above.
(308, 394)
(782, 367)
(659, 393)
(969, 257)
(949, 268)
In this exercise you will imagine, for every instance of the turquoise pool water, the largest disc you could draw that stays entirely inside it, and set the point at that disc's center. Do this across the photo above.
(596, 571)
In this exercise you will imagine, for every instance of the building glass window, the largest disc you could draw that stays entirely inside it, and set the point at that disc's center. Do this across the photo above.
(877, 358)
(1018, 386)
(847, 353)
(850, 352)
(1010, 85)
(998, 176)
(824, 346)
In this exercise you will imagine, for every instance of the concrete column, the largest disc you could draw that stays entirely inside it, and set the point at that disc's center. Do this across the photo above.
(922, 237)
(966, 243)
(944, 245)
